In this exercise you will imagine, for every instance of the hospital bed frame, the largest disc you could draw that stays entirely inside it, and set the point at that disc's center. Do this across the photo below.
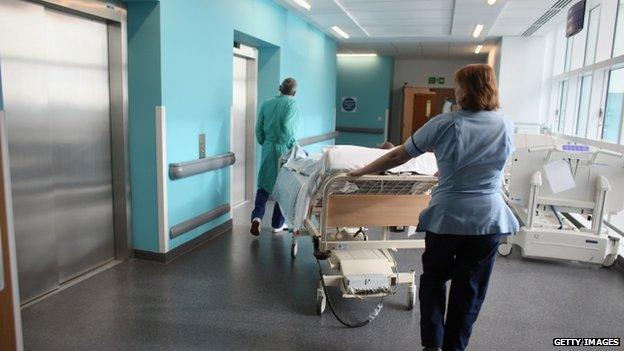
(549, 226)
(366, 268)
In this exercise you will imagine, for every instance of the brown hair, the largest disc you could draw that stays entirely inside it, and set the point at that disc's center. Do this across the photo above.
(477, 83)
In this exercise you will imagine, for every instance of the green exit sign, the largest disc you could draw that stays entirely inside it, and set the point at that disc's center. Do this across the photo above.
(435, 80)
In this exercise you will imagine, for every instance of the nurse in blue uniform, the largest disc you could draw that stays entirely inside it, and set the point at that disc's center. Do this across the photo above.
(467, 214)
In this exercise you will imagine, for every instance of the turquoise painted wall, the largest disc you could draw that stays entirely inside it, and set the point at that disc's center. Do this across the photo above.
(144, 94)
(369, 79)
(196, 67)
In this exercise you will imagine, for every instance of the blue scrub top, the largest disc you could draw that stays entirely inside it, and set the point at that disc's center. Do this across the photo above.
(471, 150)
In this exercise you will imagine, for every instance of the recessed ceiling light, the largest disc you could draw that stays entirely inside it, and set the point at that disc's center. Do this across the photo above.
(340, 32)
(491, 2)
(357, 55)
(351, 17)
(307, 6)
(477, 31)
(478, 49)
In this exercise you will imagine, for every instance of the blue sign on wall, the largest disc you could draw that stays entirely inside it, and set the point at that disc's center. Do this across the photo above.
(349, 104)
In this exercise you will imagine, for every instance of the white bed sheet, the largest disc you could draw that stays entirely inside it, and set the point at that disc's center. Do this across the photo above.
(301, 175)
(350, 157)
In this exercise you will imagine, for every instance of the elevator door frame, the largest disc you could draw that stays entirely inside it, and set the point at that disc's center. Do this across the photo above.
(250, 54)
(114, 14)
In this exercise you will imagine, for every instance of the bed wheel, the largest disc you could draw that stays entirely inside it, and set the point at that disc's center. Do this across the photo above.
(321, 300)
(411, 296)
(293, 248)
(609, 261)
(505, 249)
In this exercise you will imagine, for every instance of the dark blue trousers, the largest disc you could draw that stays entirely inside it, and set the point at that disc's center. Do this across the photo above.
(466, 261)
(262, 196)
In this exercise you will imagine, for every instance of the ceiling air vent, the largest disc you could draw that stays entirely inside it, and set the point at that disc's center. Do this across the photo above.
(547, 16)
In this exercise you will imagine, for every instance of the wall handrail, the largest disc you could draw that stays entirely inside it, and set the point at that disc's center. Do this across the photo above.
(202, 165)
(360, 130)
(317, 138)
(198, 221)
(614, 228)
(185, 169)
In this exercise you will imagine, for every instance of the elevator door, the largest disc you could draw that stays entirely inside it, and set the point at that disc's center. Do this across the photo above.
(55, 81)
(239, 128)
(243, 123)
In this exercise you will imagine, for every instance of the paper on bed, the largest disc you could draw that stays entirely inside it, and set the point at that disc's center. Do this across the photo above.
(559, 176)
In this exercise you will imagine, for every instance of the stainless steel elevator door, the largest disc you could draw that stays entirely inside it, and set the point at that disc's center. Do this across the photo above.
(239, 131)
(55, 82)
(22, 60)
(79, 104)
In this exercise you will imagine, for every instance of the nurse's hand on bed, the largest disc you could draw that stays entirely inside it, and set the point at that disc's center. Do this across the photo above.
(394, 158)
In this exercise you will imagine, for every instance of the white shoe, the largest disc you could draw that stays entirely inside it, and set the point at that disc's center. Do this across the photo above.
(279, 230)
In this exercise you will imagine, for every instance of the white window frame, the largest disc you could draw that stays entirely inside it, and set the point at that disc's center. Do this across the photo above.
(589, 102)
(588, 16)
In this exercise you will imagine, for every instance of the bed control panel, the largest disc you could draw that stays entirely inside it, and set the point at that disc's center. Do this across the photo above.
(367, 284)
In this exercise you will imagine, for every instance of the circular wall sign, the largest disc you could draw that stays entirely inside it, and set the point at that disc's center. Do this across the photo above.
(349, 104)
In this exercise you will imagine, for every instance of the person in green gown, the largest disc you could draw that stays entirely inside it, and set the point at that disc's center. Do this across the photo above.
(275, 131)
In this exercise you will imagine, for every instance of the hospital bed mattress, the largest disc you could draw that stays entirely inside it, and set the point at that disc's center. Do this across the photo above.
(302, 176)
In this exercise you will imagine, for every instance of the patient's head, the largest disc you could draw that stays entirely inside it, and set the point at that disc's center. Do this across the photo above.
(387, 145)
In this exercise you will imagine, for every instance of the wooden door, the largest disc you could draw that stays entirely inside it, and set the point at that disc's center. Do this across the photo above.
(8, 340)
(441, 94)
(423, 110)
(421, 104)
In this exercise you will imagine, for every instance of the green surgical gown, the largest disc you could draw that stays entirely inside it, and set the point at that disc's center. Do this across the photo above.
(275, 131)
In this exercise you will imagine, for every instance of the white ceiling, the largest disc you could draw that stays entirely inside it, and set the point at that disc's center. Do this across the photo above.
(421, 28)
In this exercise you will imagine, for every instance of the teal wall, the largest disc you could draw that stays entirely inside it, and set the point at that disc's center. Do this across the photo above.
(369, 79)
(144, 94)
(196, 39)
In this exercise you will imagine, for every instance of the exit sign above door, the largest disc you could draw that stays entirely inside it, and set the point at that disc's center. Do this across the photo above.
(436, 80)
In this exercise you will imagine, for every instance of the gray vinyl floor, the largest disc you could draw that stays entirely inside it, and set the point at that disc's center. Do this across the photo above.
(241, 293)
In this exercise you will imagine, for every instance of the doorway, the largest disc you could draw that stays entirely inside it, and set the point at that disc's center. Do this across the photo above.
(422, 104)
(242, 137)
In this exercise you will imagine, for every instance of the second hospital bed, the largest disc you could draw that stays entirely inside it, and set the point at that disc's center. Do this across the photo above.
(319, 198)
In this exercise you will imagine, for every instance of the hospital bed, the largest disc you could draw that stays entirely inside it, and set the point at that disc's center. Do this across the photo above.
(338, 208)
(560, 222)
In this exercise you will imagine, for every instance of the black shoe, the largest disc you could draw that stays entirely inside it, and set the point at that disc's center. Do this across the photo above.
(255, 228)
(432, 348)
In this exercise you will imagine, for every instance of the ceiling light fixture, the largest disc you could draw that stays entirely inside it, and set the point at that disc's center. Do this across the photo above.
(306, 5)
(351, 17)
(340, 32)
(491, 2)
(357, 55)
(477, 31)
(478, 49)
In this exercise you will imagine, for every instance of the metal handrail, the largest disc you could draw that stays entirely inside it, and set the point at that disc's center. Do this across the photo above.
(614, 228)
(202, 165)
(197, 221)
(318, 138)
(190, 168)
(360, 130)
